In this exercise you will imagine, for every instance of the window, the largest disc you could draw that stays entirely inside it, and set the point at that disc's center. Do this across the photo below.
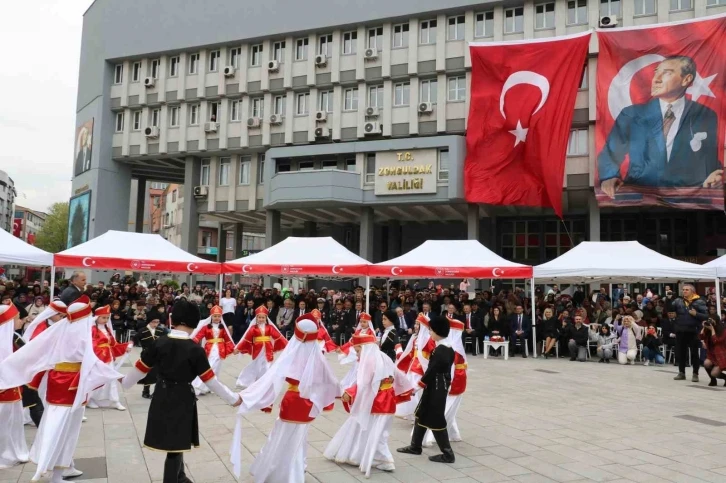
(302, 102)
(234, 55)
(244, 169)
(204, 172)
(173, 116)
(301, 49)
(136, 72)
(282, 167)
(306, 166)
(257, 107)
(457, 88)
(206, 238)
(234, 110)
(261, 169)
(375, 96)
(370, 168)
(577, 145)
(173, 196)
(544, 17)
(278, 105)
(428, 32)
(350, 39)
(214, 108)
(325, 45)
(325, 101)
(375, 38)
(647, 7)
(173, 66)
(137, 121)
(223, 171)
(213, 60)
(443, 165)
(278, 51)
(400, 35)
(193, 63)
(713, 3)
(118, 74)
(610, 7)
(484, 24)
(256, 57)
(429, 90)
(401, 94)
(456, 28)
(514, 20)
(350, 97)
(681, 5)
(194, 115)
(577, 11)
(583, 81)
(350, 164)
(119, 122)
(154, 70)
(155, 117)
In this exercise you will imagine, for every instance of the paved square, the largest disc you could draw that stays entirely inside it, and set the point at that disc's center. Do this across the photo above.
(522, 420)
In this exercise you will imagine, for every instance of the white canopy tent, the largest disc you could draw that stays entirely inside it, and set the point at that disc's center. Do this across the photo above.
(14, 251)
(720, 265)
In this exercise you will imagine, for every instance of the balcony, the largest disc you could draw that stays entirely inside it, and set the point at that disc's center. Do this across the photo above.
(296, 188)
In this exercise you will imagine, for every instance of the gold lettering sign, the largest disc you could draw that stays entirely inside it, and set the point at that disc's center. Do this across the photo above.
(406, 184)
(81, 189)
(406, 172)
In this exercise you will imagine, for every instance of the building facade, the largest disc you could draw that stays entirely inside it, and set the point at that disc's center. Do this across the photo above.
(7, 201)
(29, 223)
(280, 122)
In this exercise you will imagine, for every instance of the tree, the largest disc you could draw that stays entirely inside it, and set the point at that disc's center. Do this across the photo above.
(53, 236)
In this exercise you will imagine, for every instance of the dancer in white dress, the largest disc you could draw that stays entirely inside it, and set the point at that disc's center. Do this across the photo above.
(107, 350)
(261, 340)
(413, 362)
(217, 341)
(346, 354)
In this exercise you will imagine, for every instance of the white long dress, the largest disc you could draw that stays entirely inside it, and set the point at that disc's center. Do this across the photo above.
(106, 396)
(13, 448)
(215, 362)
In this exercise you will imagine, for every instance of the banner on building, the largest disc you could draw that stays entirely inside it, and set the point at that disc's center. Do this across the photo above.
(521, 107)
(661, 115)
(17, 227)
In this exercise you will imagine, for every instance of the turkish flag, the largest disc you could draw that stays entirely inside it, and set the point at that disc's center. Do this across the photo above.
(641, 158)
(17, 227)
(522, 101)
(31, 238)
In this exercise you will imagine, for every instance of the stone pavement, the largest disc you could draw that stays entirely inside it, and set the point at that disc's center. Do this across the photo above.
(522, 420)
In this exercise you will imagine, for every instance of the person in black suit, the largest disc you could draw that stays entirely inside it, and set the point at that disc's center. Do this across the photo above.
(352, 314)
(473, 327)
(401, 323)
(668, 330)
(389, 338)
(520, 326)
(301, 309)
(378, 316)
(74, 289)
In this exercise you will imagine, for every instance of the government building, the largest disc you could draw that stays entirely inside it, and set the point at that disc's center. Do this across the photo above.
(341, 118)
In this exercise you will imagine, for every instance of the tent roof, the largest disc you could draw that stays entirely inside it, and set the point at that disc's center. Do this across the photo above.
(120, 250)
(623, 261)
(15, 251)
(302, 256)
(450, 259)
(719, 264)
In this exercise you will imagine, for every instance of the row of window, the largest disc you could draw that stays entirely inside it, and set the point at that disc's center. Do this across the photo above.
(223, 171)
(401, 97)
(400, 38)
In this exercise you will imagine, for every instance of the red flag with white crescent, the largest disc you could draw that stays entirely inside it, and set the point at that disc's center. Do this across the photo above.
(522, 102)
(661, 109)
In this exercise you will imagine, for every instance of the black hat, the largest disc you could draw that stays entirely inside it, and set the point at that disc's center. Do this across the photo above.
(185, 313)
(440, 326)
(153, 315)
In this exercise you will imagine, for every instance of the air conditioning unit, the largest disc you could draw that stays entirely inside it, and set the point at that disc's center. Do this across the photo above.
(372, 112)
(151, 132)
(276, 119)
(321, 60)
(210, 127)
(322, 132)
(253, 122)
(425, 108)
(372, 128)
(201, 191)
(370, 54)
(149, 82)
(321, 116)
(608, 22)
(229, 71)
(273, 66)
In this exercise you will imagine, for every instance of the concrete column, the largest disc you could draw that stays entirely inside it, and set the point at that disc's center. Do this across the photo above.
(140, 203)
(366, 238)
(272, 228)
(394, 238)
(593, 218)
(472, 222)
(310, 229)
(190, 217)
(222, 245)
(237, 231)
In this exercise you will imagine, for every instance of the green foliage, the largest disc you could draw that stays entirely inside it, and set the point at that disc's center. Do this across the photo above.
(172, 283)
(54, 234)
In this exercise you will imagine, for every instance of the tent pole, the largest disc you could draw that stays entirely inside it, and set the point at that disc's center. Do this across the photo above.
(368, 294)
(533, 319)
(718, 299)
(51, 286)
(221, 283)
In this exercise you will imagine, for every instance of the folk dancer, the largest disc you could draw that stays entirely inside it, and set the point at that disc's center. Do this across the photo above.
(371, 401)
(261, 340)
(414, 361)
(13, 448)
(390, 344)
(309, 387)
(458, 382)
(324, 341)
(107, 350)
(431, 410)
(346, 354)
(217, 344)
(172, 425)
(66, 348)
(145, 338)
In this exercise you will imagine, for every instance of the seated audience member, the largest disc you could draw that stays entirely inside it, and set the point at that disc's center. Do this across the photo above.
(651, 347)
(563, 333)
(550, 326)
(605, 342)
(668, 331)
(496, 326)
(629, 333)
(714, 337)
(577, 344)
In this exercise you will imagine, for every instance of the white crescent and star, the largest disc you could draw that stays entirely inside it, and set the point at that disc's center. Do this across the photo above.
(246, 268)
(337, 269)
(87, 262)
(524, 77)
(497, 272)
(396, 271)
(191, 266)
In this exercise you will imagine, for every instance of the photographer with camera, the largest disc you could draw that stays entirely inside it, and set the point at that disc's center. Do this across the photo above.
(713, 336)
(691, 312)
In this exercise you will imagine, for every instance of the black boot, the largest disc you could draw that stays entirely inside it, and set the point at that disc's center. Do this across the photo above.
(36, 413)
(416, 439)
(447, 454)
(182, 476)
(173, 467)
(145, 392)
